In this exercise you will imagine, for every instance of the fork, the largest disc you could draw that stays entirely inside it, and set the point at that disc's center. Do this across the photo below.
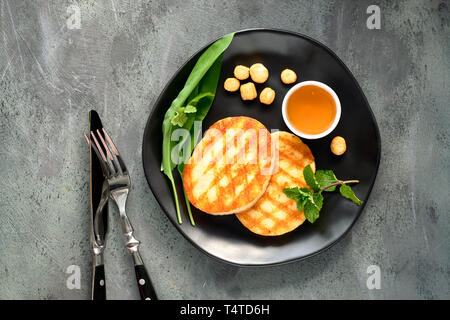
(119, 184)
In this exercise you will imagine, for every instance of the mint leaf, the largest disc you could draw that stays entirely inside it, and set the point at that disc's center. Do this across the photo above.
(297, 193)
(292, 193)
(301, 203)
(311, 211)
(190, 109)
(305, 192)
(348, 193)
(179, 118)
(312, 207)
(310, 179)
(307, 195)
(325, 178)
(301, 195)
(318, 200)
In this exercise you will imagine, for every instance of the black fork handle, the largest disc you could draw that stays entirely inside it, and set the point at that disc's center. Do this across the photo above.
(144, 283)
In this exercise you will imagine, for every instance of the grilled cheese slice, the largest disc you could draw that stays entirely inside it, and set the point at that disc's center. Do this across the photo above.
(231, 166)
(274, 213)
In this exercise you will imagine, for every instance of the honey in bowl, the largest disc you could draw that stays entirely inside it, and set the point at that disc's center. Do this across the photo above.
(311, 109)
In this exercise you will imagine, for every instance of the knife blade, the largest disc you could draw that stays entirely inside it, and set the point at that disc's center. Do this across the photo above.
(99, 195)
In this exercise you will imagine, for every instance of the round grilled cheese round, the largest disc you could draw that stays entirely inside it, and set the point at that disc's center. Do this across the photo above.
(274, 213)
(230, 167)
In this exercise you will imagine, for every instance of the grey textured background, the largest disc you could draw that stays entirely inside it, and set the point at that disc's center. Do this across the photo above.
(118, 63)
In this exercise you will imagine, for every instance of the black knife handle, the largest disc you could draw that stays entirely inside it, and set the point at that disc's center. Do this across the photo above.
(144, 283)
(98, 283)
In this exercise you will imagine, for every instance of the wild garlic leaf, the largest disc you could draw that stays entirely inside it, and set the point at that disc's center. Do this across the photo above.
(325, 178)
(348, 193)
(310, 179)
(202, 75)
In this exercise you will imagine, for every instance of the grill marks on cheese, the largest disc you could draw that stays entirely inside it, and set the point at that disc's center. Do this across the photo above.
(274, 213)
(221, 179)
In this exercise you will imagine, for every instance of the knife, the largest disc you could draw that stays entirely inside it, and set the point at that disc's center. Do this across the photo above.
(99, 195)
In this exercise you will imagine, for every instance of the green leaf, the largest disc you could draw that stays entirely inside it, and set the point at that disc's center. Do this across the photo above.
(201, 68)
(205, 63)
(311, 211)
(310, 179)
(202, 98)
(297, 193)
(313, 206)
(302, 195)
(301, 203)
(306, 192)
(190, 109)
(206, 91)
(348, 193)
(292, 193)
(201, 102)
(318, 200)
(193, 94)
(325, 178)
(180, 168)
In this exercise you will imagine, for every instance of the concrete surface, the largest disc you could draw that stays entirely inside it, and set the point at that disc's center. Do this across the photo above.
(118, 63)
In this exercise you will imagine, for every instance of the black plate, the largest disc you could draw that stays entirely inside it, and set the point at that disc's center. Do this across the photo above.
(225, 238)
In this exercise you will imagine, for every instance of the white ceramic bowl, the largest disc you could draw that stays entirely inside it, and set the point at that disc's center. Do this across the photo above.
(336, 102)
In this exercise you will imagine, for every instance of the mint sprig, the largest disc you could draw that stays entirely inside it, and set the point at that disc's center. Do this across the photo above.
(310, 200)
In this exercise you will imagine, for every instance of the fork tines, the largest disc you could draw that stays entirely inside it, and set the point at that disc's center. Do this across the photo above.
(112, 159)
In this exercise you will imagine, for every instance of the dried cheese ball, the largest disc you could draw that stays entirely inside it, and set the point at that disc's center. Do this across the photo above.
(288, 76)
(231, 84)
(267, 96)
(259, 73)
(338, 145)
(248, 91)
(241, 72)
